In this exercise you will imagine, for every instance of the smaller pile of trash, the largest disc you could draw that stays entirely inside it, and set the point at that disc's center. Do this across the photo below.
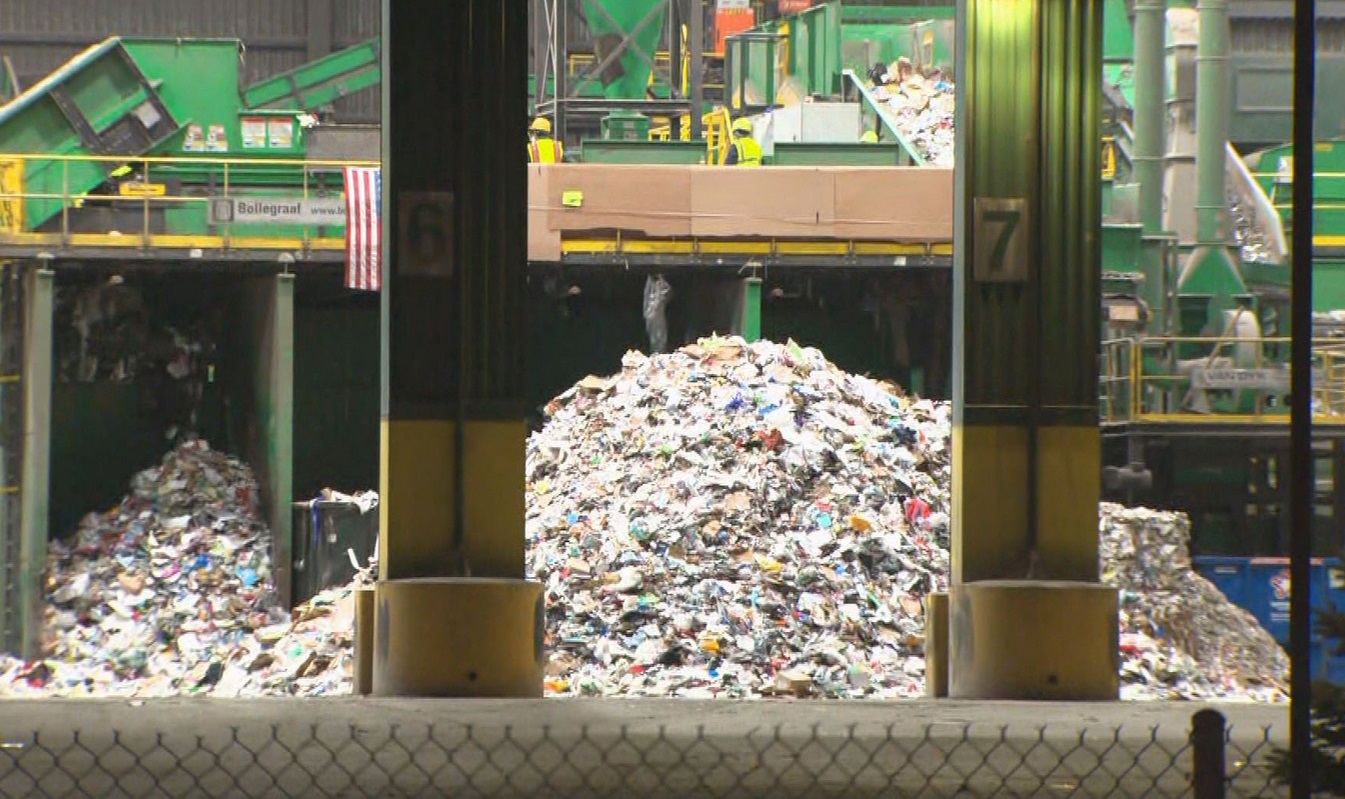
(171, 593)
(1181, 638)
(155, 589)
(310, 655)
(921, 106)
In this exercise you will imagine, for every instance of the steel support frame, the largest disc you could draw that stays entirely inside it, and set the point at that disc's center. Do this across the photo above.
(549, 29)
(1027, 304)
(453, 614)
(11, 454)
(39, 292)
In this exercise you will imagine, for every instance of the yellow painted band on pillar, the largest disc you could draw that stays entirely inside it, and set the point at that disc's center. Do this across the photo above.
(1069, 462)
(459, 638)
(936, 645)
(364, 642)
(417, 510)
(990, 502)
(1033, 640)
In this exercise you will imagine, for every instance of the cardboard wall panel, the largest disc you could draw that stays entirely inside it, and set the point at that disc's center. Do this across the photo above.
(650, 200)
(670, 201)
(543, 242)
(767, 202)
(894, 204)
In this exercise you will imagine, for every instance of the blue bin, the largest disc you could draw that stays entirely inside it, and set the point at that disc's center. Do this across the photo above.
(1261, 586)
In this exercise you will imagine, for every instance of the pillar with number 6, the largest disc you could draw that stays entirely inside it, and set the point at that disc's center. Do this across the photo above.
(1027, 617)
(453, 614)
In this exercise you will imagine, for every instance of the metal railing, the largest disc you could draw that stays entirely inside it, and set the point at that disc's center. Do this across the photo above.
(715, 124)
(51, 189)
(1210, 379)
(140, 756)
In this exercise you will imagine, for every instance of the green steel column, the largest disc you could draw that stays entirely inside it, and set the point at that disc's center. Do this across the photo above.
(1211, 122)
(1150, 148)
(281, 435)
(38, 316)
(1211, 279)
(749, 309)
(1150, 111)
(1027, 305)
(453, 615)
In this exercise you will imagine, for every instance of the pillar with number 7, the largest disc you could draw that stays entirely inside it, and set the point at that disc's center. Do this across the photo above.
(453, 614)
(1027, 617)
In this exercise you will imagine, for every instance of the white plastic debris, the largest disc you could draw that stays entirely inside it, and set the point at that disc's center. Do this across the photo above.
(921, 107)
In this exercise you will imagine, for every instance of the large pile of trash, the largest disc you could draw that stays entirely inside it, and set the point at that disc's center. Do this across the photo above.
(736, 520)
(731, 520)
(172, 592)
(1180, 636)
(920, 105)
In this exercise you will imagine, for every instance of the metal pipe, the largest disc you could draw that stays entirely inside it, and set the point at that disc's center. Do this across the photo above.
(561, 68)
(1150, 111)
(1302, 482)
(697, 66)
(1211, 121)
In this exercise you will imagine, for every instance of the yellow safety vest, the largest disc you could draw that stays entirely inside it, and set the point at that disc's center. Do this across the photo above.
(749, 152)
(545, 151)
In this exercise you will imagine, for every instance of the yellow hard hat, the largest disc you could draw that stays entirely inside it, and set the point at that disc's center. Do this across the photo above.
(541, 125)
(869, 137)
(742, 125)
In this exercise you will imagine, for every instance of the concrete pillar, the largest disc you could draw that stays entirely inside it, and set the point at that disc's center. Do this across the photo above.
(39, 296)
(1028, 618)
(275, 398)
(453, 615)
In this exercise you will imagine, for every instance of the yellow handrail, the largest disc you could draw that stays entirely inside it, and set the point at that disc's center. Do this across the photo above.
(1154, 380)
(41, 184)
(177, 159)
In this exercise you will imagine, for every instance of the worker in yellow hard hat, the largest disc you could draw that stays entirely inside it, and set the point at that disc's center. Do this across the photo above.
(869, 137)
(744, 150)
(542, 148)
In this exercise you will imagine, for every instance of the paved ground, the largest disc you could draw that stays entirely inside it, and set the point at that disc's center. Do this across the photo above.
(396, 748)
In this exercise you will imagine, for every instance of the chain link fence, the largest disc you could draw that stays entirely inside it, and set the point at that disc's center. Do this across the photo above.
(443, 759)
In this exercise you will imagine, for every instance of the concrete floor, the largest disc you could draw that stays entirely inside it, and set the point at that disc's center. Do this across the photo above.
(349, 747)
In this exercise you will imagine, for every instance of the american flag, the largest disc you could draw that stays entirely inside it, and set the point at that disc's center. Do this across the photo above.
(364, 219)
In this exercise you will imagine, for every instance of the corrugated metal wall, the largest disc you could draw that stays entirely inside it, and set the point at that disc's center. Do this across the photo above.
(40, 35)
(1276, 36)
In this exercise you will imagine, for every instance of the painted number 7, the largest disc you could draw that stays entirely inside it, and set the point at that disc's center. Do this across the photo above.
(1000, 240)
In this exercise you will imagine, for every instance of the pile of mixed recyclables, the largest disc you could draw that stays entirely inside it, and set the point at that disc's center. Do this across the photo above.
(735, 520)
(171, 592)
(920, 107)
(728, 520)
(1181, 638)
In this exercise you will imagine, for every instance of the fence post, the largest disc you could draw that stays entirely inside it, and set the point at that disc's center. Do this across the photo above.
(1207, 754)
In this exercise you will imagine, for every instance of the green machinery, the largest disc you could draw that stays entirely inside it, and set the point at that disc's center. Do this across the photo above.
(625, 71)
(130, 118)
(821, 53)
